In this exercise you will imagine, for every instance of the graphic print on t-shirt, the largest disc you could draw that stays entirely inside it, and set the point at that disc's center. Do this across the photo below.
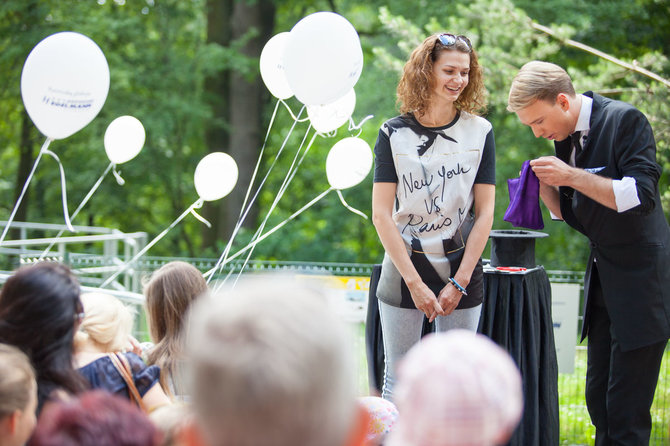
(436, 170)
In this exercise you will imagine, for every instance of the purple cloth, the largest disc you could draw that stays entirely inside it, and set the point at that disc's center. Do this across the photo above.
(524, 200)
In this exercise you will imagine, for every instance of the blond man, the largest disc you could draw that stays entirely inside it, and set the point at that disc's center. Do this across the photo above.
(603, 182)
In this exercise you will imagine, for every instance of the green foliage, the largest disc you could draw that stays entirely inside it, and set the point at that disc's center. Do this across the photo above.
(159, 60)
(156, 55)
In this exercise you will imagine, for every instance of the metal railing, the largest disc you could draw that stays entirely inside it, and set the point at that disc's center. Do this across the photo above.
(33, 238)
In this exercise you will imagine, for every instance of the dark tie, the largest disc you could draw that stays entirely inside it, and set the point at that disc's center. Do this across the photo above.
(576, 142)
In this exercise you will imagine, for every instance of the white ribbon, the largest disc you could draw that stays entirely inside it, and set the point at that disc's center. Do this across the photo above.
(63, 189)
(79, 208)
(352, 209)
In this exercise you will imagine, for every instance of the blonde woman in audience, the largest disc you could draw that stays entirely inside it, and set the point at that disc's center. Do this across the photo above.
(271, 366)
(18, 396)
(456, 389)
(106, 328)
(168, 295)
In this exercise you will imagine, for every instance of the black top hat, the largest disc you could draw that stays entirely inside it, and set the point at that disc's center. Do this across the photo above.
(513, 247)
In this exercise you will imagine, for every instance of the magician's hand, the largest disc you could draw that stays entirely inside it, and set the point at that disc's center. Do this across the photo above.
(552, 171)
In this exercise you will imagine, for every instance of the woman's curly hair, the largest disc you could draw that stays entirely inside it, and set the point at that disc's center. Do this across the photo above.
(415, 86)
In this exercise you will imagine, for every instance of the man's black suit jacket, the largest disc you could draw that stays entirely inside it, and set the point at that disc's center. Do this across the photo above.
(632, 248)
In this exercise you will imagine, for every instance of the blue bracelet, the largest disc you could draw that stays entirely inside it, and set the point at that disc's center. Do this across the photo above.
(458, 286)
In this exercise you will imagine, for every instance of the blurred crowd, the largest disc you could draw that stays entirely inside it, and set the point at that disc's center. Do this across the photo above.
(267, 362)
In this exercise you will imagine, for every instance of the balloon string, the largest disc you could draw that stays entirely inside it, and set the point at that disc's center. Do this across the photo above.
(258, 162)
(25, 187)
(352, 209)
(79, 208)
(272, 231)
(287, 180)
(358, 127)
(240, 221)
(63, 189)
(122, 268)
(296, 119)
(201, 218)
(119, 180)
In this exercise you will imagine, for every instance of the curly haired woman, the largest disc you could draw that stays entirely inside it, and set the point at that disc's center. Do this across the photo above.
(433, 197)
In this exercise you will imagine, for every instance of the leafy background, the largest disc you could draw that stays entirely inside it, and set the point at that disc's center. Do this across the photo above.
(169, 58)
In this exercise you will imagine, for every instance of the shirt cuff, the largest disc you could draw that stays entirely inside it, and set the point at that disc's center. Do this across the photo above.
(625, 194)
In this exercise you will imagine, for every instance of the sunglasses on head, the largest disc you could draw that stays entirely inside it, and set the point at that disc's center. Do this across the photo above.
(446, 39)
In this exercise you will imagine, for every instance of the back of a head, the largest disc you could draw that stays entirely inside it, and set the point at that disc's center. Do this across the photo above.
(169, 293)
(107, 322)
(96, 418)
(456, 389)
(271, 367)
(38, 307)
(17, 380)
(538, 80)
(18, 394)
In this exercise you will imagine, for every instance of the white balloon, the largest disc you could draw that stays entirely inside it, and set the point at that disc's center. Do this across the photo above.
(272, 68)
(326, 118)
(124, 138)
(215, 176)
(64, 83)
(323, 58)
(348, 163)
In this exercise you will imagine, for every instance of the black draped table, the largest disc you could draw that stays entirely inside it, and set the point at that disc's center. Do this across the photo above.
(516, 314)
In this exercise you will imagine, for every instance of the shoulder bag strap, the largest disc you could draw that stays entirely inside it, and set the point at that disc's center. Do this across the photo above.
(123, 367)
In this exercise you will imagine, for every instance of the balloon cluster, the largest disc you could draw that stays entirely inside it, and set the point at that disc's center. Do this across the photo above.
(319, 61)
(65, 82)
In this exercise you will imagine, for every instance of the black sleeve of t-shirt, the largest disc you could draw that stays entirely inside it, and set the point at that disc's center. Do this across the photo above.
(487, 167)
(384, 166)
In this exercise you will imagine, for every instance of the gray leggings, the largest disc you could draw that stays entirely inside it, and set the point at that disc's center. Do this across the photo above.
(401, 329)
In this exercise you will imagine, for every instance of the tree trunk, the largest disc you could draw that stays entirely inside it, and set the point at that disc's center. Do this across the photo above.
(246, 100)
(237, 127)
(26, 160)
(216, 87)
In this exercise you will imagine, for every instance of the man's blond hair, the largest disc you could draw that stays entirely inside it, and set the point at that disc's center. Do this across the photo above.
(538, 80)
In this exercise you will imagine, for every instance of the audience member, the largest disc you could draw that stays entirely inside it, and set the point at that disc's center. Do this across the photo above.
(105, 329)
(456, 389)
(383, 415)
(18, 396)
(271, 366)
(96, 418)
(168, 295)
(39, 312)
(172, 420)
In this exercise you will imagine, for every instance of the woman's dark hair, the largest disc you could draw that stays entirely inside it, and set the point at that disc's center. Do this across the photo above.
(39, 307)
